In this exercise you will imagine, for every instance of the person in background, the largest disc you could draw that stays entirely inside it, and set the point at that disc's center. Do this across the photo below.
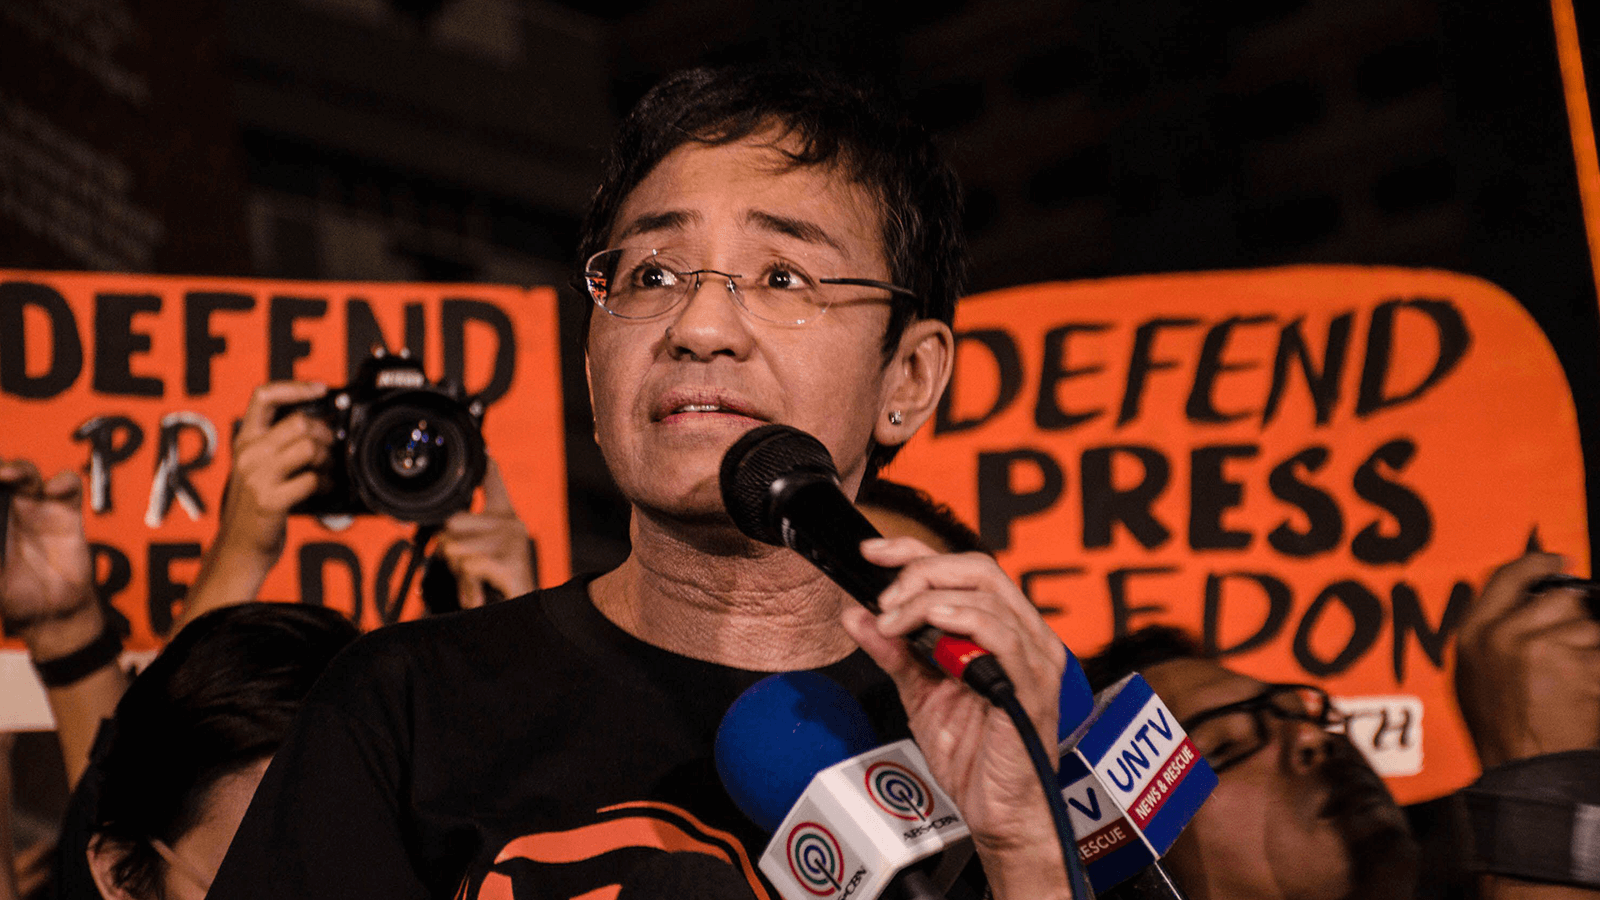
(1528, 683)
(190, 739)
(47, 596)
(901, 510)
(1299, 815)
(279, 462)
(196, 727)
(47, 599)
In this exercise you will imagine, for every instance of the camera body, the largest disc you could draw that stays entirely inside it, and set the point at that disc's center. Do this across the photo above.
(404, 446)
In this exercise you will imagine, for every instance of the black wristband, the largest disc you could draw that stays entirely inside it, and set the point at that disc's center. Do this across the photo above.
(83, 662)
(1538, 819)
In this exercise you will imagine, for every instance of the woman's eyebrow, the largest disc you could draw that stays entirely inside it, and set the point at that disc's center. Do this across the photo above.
(663, 221)
(799, 229)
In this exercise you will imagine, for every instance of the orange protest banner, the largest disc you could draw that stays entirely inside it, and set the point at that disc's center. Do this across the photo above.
(137, 382)
(1314, 469)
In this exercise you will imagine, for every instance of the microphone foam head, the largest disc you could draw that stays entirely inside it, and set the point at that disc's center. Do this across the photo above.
(779, 734)
(755, 462)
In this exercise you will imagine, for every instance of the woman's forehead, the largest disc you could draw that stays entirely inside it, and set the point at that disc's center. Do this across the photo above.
(749, 189)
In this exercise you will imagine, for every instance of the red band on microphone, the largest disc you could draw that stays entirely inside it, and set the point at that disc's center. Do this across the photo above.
(954, 654)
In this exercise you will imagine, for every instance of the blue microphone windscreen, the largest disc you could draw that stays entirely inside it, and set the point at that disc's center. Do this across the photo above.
(781, 732)
(1077, 700)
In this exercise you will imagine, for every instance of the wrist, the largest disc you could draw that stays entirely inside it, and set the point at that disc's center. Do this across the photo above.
(1033, 871)
(64, 634)
(100, 654)
(239, 557)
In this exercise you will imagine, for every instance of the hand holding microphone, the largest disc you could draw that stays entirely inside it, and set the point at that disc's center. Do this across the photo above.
(780, 486)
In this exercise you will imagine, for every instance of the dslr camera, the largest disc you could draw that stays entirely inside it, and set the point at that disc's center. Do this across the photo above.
(403, 446)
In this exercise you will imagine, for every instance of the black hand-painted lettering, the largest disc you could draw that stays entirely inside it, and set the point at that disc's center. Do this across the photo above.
(1104, 504)
(65, 351)
(1000, 504)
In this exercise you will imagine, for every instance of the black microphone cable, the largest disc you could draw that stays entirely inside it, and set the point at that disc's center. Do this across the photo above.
(1006, 700)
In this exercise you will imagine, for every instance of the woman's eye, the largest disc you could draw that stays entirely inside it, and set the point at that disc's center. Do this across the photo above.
(655, 277)
(784, 279)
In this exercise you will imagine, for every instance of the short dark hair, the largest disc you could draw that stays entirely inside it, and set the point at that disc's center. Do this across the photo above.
(1143, 648)
(219, 698)
(834, 122)
(918, 506)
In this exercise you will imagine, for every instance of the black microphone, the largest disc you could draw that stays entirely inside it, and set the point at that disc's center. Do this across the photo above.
(781, 487)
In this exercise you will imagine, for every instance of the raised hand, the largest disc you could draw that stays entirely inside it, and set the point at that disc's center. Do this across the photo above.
(46, 576)
(275, 466)
(488, 547)
(1528, 666)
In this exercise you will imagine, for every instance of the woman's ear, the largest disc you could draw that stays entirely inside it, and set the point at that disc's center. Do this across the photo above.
(915, 381)
(104, 854)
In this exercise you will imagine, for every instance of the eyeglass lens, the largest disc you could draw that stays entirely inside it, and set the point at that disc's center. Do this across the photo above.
(641, 283)
(1232, 733)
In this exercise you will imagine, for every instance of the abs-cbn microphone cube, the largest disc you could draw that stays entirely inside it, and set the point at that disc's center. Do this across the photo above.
(862, 821)
(1132, 780)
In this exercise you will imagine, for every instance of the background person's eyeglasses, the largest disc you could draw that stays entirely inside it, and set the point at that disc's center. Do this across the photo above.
(1232, 733)
(639, 283)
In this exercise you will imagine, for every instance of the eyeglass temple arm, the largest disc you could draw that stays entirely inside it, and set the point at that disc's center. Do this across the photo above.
(868, 282)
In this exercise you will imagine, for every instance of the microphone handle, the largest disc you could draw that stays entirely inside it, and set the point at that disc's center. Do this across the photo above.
(819, 523)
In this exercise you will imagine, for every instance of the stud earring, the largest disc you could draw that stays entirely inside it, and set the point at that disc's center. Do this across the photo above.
(895, 418)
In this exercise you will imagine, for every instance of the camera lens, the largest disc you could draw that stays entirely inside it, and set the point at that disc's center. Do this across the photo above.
(418, 458)
(412, 452)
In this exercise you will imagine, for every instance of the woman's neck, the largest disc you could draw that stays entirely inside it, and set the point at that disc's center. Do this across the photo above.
(714, 596)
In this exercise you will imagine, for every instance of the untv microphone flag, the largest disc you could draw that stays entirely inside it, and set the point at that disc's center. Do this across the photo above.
(1132, 780)
(861, 822)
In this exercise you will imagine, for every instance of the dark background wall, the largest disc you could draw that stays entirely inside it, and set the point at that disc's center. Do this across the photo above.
(458, 139)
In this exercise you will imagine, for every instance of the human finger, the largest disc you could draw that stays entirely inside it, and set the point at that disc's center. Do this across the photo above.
(1021, 652)
(64, 486)
(294, 490)
(266, 400)
(1578, 634)
(289, 446)
(966, 571)
(296, 427)
(1542, 610)
(468, 524)
(22, 475)
(891, 654)
(469, 589)
(303, 452)
(496, 499)
(1506, 589)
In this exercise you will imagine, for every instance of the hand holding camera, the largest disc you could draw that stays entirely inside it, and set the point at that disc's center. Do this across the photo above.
(487, 551)
(391, 443)
(402, 446)
(278, 461)
(1528, 665)
(277, 464)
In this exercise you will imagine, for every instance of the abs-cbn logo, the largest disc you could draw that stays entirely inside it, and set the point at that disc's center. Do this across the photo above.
(899, 792)
(817, 862)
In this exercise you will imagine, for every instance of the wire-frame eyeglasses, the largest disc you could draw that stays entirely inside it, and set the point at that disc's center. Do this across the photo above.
(641, 283)
(1232, 733)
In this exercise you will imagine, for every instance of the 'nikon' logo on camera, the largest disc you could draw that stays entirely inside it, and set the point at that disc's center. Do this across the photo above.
(401, 378)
